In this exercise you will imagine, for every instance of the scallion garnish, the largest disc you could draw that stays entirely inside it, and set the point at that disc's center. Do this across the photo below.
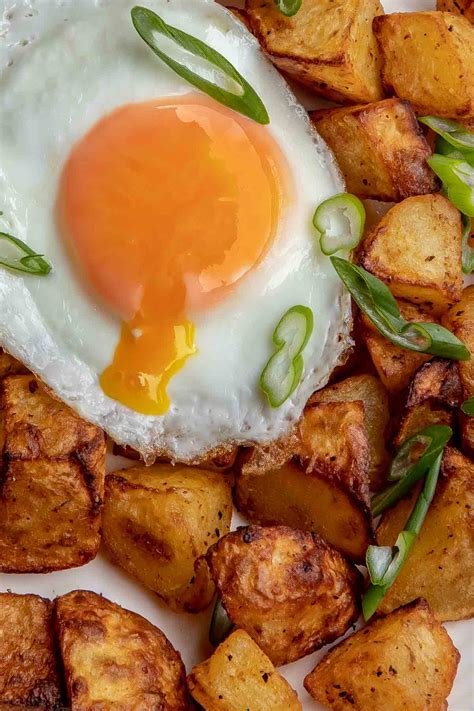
(384, 563)
(16, 255)
(283, 372)
(467, 250)
(375, 300)
(452, 132)
(288, 7)
(220, 626)
(446, 149)
(149, 25)
(410, 464)
(340, 222)
(468, 407)
(458, 180)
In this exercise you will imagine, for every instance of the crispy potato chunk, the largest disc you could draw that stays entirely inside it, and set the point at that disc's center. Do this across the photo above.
(420, 416)
(289, 590)
(460, 320)
(9, 365)
(240, 676)
(395, 366)
(403, 661)
(459, 7)
(428, 59)
(114, 657)
(440, 567)
(143, 506)
(380, 149)
(28, 668)
(52, 484)
(328, 46)
(416, 250)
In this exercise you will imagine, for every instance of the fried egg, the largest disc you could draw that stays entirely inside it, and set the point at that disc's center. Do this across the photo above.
(179, 231)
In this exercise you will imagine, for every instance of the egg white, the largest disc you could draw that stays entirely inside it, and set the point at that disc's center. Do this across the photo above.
(64, 64)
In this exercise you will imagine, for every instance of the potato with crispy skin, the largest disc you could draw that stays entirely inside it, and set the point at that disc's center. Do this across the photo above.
(9, 365)
(114, 658)
(405, 661)
(158, 523)
(240, 676)
(440, 566)
(28, 666)
(380, 149)
(416, 250)
(459, 7)
(328, 46)
(428, 59)
(288, 589)
(51, 490)
(395, 365)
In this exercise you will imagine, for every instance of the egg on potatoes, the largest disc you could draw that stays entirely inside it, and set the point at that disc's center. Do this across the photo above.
(178, 230)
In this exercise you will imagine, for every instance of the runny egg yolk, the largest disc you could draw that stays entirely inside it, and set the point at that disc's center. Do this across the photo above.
(166, 206)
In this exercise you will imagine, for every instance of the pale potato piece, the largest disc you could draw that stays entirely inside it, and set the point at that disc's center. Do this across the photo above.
(289, 590)
(395, 366)
(460, 7)
(380, 149)
(428, 59)
(440, 567)
(328, 46)
(403, 662)
(416, 250)
(114, 658)
(28, 666)
(240, 676)
(158, 523)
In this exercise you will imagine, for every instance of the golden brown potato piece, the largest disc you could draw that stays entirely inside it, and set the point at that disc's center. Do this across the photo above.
(28, 668)
(328, 46)
(370, 391)
(440, 567)
(115, 658)
(395, 366)
(416, 250)
(380, 149)
(404, 661)
(428, 59)
(438, 381)
(9, 365)
(158, 523)
(289, 590)
(420, 416)
(51, 491)
(459, 7)
(460, 320)
(240, 676)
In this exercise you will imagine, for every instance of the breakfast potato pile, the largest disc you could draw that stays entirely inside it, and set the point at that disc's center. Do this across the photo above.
(378, 472)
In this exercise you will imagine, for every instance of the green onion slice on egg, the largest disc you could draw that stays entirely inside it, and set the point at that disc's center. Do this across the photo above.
(16, 255)
(340, 221)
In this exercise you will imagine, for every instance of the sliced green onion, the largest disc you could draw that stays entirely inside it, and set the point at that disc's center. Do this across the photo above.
(246, 101)
(21, 258)
(467, 250)
(288, 7)
(408, 473)
(452, 132)
(446, 149)
(468, 407)
(283, 372)
(340, 221)
(384, 568)
(220, 626)
(375, 300)
(458, 181)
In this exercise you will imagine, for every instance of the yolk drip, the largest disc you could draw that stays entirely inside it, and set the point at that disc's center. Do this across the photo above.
(166, 205)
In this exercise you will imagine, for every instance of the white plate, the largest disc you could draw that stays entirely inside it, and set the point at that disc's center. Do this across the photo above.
(188, 633)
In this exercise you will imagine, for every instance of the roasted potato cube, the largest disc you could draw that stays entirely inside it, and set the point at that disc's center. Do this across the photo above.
(395, 366)
(9, 365)
(403, 661)
(460, 320)
(416, 250)
(440, 567)
(28, 668)
(288, 589)
(420, 416)
(428, 59)
(143, 506)
(438, 381)
(51, 491)
(380, 149)
(328, 47)
(114, 658)
(459, 7)
(240, 676)
(370, 391)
